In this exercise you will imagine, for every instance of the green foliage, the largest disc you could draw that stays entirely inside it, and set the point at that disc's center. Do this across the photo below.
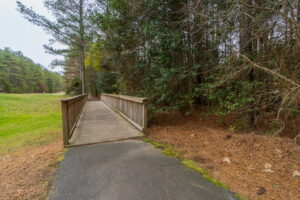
(147, 53)
(74, 87)
(230, 97)
(180, 54)
(106, 82)
(19, 74)
(70, 28)
(94, 56)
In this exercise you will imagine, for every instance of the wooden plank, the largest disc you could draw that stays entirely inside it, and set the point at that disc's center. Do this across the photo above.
(75, 98)
(65, 121)
(144, 118)
(126, 117)
(132, 108)
(129, 98)
(71, 111)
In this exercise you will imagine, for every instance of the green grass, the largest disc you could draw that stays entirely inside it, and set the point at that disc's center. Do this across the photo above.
(29, 119)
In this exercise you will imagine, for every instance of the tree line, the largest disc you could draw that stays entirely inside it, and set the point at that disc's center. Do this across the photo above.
(238, 56)
(19, 74)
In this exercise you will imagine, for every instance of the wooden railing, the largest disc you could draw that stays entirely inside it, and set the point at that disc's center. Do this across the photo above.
(71, 111)
(131, 108)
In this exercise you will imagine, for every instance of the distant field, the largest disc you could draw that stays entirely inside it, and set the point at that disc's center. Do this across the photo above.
(29, 119)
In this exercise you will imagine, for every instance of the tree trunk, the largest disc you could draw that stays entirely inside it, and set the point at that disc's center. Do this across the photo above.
(82, 46)
(246, 47)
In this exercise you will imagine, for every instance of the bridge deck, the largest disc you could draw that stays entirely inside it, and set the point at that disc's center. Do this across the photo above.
(99, 123)
(123, 170)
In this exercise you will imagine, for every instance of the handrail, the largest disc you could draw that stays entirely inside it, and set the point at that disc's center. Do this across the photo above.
(71, 110)
(129, 98)
(133, 109)
(74, 98)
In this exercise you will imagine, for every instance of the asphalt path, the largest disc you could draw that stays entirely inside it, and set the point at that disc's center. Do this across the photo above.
(128, 170)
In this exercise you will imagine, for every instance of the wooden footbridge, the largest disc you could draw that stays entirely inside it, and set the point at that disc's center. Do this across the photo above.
(112, 118)
(117, 170)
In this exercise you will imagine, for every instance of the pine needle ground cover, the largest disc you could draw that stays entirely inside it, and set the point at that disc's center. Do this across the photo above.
(255, 166)
(30, 144)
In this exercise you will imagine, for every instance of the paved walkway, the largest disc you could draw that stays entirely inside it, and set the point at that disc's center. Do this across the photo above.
(99, 123)
(123, 170)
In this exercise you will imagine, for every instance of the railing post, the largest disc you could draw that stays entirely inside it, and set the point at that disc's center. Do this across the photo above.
(145, 116)
(65, 122)
(71, 110)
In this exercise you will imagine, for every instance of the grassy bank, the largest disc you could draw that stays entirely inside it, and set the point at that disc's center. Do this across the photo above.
(30, 144)
(28, 119)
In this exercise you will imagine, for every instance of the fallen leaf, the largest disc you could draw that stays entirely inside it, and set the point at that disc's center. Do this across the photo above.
(296, 174)
(268, 165)
(227, 160)
(279, 153)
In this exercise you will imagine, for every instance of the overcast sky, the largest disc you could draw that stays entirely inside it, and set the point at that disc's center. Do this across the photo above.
(20, 35)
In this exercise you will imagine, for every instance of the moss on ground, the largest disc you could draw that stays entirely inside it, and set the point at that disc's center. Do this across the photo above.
(194, 166)
(166, 149)
(241, 197)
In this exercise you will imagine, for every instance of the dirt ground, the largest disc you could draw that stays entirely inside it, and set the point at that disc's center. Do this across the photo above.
(256, 166)
(25, 173)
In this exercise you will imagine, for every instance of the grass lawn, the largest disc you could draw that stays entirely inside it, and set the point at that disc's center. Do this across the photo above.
(29, 120)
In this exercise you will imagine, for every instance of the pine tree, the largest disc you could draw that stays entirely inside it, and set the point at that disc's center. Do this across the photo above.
(69, 28)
